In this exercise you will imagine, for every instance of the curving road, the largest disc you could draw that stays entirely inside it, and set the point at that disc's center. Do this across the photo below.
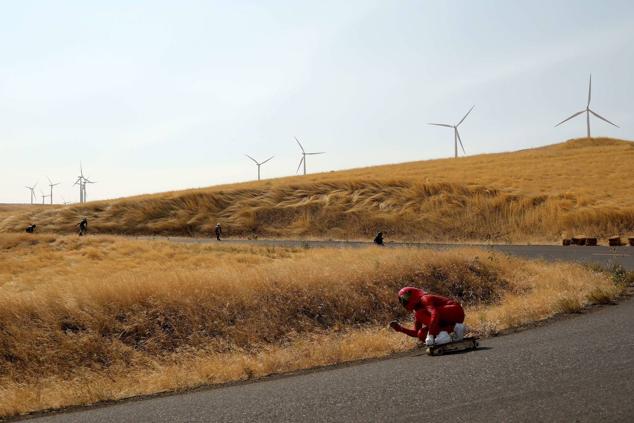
(599, 254)
(577, 369)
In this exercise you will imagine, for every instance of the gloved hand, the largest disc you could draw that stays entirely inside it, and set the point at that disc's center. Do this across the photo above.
(429, 341)
(395, 325)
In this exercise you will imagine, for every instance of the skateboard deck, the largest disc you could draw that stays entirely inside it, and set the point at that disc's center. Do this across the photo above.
(468, 343)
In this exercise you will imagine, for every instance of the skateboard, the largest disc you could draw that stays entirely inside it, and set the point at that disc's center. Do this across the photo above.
(468, 343)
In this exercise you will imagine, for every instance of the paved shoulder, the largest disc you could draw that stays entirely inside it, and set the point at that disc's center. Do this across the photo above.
(577, 369)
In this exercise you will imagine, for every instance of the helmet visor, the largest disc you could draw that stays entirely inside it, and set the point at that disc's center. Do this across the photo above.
(404, 299)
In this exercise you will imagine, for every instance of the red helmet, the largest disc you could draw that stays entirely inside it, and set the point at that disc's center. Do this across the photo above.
(409, 297)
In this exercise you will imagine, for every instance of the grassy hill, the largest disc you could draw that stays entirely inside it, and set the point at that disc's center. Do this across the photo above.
(579, 186)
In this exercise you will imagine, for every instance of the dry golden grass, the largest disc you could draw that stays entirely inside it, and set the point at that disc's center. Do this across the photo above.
(96, 318)
(540, 194)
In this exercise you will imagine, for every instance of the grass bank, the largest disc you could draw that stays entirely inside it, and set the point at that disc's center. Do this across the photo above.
(99, 318)
(537, 195)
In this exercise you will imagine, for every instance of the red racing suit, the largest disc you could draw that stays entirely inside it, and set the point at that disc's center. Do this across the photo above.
(433, 314)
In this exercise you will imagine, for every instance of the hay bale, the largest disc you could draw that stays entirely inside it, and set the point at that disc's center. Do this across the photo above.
(631, 241)
(591, 242)
(614, 241)
(566, 242)
(579, 240)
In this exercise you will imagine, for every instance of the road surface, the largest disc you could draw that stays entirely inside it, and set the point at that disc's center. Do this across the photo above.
(575, 369)
(600, 254)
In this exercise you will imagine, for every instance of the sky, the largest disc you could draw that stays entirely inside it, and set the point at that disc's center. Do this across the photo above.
(153, 96)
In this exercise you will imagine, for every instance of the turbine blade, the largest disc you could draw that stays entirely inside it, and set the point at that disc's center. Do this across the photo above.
(267, 160)
(589, 91)
(300, 164)
(441, 124)
(300, 145)
(256, 162)
(465, 116)
(81, 169)
(49, 180)
(567, 119)
(460, 141)
(310, 154)
(602, 118)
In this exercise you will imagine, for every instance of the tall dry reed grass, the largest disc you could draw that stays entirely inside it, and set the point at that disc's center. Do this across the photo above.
(96, 318)
(531, 195)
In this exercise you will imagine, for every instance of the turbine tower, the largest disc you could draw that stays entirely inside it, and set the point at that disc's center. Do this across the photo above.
(51, 184)
(587, 111)
(304, 154)
(82, 181)
(43, 197)
(32, 189)
(259, 164)
(456, 134)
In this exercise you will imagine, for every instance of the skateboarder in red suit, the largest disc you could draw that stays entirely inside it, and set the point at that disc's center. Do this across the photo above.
(435, 317)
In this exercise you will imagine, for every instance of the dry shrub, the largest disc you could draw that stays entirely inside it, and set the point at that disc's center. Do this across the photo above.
(569, 305)
(603, 295)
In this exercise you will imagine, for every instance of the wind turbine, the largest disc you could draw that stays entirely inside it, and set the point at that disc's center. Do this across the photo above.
(82, 181)
(587, 111)
(51, 184)
(259, 164)
(304, 154)
(456, 134)
(87, 181)
(43, 197)
(32, 189)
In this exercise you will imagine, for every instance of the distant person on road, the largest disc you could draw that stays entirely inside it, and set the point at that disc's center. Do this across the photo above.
(218, 231)
(435, 317)
(83, 227)
(378, 239)
(31, 228)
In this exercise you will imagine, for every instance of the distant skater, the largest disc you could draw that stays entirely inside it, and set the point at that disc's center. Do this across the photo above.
(83, 227)
(378, 239)
(30, 229)
(218, 231)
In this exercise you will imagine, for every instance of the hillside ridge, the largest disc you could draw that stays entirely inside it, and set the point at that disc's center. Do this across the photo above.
(538, 194)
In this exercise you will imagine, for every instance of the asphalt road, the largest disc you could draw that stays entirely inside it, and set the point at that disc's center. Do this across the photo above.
(599, 254)
(576, 369)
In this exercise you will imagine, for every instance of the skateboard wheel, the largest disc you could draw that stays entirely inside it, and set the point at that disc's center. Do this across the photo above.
(440, 351)
(476, 344)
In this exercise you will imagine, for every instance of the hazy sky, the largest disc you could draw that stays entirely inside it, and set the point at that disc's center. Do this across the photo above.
(162, 95)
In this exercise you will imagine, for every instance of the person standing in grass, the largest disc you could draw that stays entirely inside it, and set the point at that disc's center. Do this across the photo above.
(218, 231)
(378, 239)
(435, 317)
(83, 227)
